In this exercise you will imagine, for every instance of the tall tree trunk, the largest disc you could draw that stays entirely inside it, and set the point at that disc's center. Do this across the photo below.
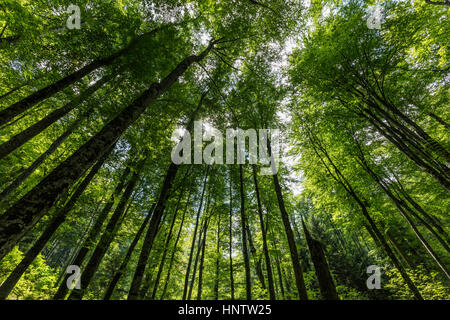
(118, 274)
(255, 256)
(26, 103)
(264, 238)
(25, 174)
(166, 247)
(298, 273)
(402, 208)
(197, 255)
(439, 119)
(216, 284)
(191, 253)
(90, 239)
(340, 178)
(20, 86)
(58, 219)
(248, 285)
(326, 284)
(26, 135)
(134, 292)
(174, 251)
(277, 258)
(231, 238)
(202, 259)
(18, 219)
(107, 236)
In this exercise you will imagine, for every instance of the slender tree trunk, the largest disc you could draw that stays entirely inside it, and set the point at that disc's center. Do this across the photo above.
(166, 247)
(26, 135)
(18, 219)
(25, 174)
(202, 259)
(118, 274)
(216, 284)
(26, 103)
(256, 258)
(174, 251)
(231, 237)
(107, 237)
(20, 86)
(402, 208)
(248, 285)
(277, 258)
(197, 219)
(264, 238)
(197, 255)
(326, 284)
(90, 239)
(49, 231)
(339, 177)
(298, 273)
(439, 119)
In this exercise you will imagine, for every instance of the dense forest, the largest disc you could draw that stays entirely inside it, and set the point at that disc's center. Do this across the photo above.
(96, 96)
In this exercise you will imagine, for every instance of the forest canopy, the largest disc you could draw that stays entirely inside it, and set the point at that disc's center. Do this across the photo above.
(96, 98)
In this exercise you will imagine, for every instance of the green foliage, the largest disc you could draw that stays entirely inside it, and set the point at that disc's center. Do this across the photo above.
(37, 282)
(429, 284)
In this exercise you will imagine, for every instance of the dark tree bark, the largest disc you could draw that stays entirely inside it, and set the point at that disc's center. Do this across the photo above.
(167, 185)
(18, 219)
(216, 283)
(166, 247)
(118, 274)
(264, 238)
(256, 257)
(248, 285)
(199, 249)
(26, 103)
(231, 237)
(107, 236)
(135, 289)
(340, 178)
(25, 174)
(326, 284)
(277, 259)
(93, 233)
(438, 3)
(58, 219)
(202, 259)
(298, 273)
(174, 251)
(26, 135)
(439, 119)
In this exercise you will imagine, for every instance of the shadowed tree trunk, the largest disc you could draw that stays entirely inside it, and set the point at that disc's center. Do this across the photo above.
(58, 219)
(18, 219)
(90, 239)
(199, 247)
(166, 246)
(197, 219)
(298, 273)
(107, 237)
(174, 251)
(231, 237)
(216, 284)
(26, 135)
(202, 259)
(248, 285)
(118, 274)
(340, 179)
(326, 284)
(26, 103)
(24, 175)
(264, 237)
